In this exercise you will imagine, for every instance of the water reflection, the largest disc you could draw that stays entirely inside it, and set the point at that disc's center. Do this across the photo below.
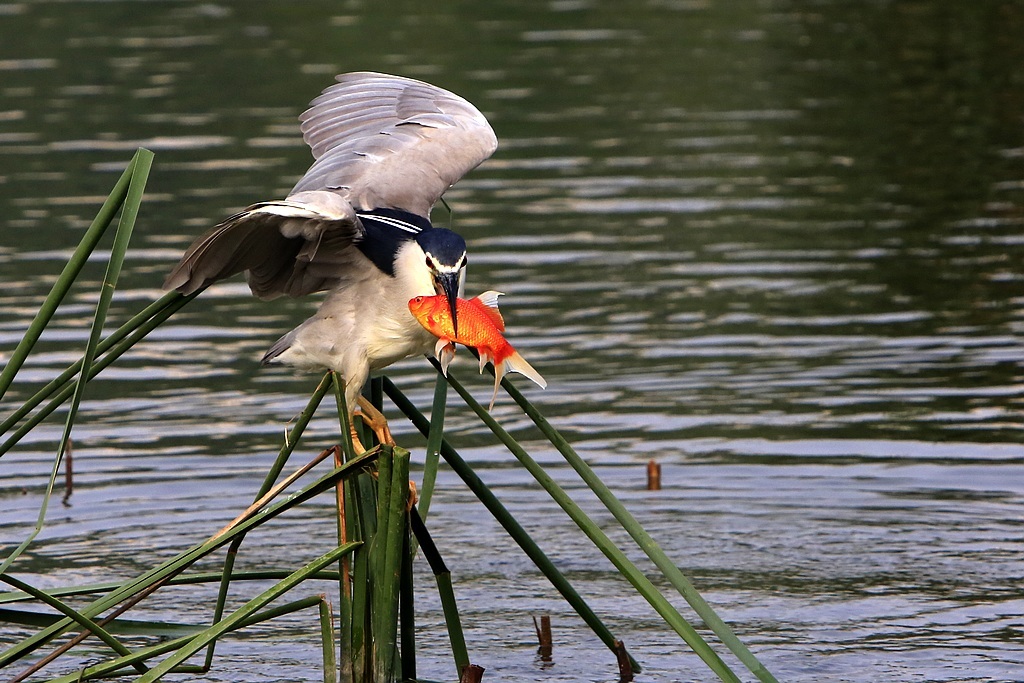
(773, 246)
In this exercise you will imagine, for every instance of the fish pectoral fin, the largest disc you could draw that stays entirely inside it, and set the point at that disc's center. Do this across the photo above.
(485, 358)
(444, 351)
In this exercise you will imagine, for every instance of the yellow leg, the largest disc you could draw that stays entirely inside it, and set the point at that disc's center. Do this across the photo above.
(376, 421)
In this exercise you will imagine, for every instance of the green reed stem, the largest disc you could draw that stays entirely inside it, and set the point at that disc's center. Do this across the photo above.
(643, 539)
(443, 578)
(175, 565)
(359, 628)
(407, 609)
(327, 641)
(69, 612)
(507, 521)
(139, 167)
(248, 609)
(70, 273)
(434, 437)
(628, 570)
(344, 415)
(174, 303)
(104, 346)
(108, 668)
(378, 577)
(348, 529)
(386, 556)
(222, 593)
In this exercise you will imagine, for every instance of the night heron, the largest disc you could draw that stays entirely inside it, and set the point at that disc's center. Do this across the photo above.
(357, 225)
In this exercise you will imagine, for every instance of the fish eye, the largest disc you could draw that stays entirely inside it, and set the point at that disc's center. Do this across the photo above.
(419, 299)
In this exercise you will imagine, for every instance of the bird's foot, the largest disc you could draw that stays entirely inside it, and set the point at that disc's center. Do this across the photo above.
(414, 496)
(375, 420)
(378, 424)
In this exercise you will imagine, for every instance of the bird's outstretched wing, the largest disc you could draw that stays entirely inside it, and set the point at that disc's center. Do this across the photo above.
(291, 247)
(389, 142)
(379, 142)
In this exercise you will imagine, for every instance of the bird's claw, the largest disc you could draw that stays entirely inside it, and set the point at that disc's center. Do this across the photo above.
(375, 420)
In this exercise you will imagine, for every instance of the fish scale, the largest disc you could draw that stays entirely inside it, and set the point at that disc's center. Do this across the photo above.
(480, 326)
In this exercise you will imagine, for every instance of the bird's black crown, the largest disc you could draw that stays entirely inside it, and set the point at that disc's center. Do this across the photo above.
(447, 247)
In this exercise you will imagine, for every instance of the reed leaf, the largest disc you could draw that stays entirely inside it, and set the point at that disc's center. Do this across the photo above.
(291, 440)
(443, 578)
(107, 668)
(248, 609)
(82, 620)
(122, 627)
(177, 564)
(434, 437)
(507, 521)
(174, 303)
(62, 379)
(68, 276)
(643, 539)
(628, 570)
(139, 168)
(8, 597)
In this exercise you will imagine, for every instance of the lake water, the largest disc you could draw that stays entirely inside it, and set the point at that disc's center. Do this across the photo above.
(773, 245)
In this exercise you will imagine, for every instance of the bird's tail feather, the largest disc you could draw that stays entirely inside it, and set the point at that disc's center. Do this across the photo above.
(279, 347)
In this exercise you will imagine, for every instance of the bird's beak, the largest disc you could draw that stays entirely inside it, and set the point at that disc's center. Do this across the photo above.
(448, 283)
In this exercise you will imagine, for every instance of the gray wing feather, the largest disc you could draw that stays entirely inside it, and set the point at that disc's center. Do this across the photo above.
(379, 142)
(387, 141)
(290, 247)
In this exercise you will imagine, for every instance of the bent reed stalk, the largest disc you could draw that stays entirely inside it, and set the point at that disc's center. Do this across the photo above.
(380, 531)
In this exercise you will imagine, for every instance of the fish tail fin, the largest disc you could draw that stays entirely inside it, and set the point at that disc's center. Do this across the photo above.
(516, 363)
(499, 372)
(512, 363)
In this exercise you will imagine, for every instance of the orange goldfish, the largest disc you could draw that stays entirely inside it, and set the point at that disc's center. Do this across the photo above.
(480, 327)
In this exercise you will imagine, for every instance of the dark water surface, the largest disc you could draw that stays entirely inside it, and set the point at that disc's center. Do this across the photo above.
(774, 245)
